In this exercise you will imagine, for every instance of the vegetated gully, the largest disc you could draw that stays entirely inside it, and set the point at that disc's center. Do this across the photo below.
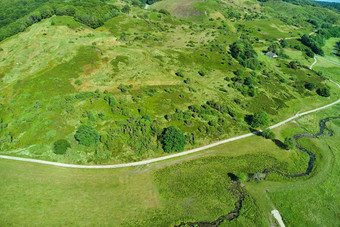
(237, 190)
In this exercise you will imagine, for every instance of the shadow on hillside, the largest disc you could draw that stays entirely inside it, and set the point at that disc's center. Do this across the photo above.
(279, 143)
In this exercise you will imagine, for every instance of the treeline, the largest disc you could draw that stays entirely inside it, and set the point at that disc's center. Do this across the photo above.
(11, 11)
(91, 13)
(244, 53)
(330, 5)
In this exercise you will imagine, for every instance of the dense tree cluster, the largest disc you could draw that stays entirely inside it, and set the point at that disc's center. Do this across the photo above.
(11, 10)
(314, 42)
(90, 13)
(247, 85)
(244, 53)
(140, 132)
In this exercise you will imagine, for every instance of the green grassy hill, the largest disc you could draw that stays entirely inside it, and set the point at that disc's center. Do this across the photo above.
(60, 72)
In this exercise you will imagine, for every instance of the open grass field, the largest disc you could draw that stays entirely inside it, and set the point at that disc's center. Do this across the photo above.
(332, 49)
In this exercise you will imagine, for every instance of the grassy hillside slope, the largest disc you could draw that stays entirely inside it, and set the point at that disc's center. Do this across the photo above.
(155, 65)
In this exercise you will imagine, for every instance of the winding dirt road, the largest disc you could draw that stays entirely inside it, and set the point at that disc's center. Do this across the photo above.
(315, 61)
(145, 162)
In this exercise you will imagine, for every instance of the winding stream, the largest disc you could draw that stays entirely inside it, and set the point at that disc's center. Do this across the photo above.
(236, 189)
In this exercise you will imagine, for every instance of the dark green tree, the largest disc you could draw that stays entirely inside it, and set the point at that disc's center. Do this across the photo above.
(289, 143)
(173, 140)
(244, 52)
(60, 146)
(273, 48)
(126, 9)
(310, 86)
(309, 52)
(268, 134)
(86, 135)
(110, 99)
(284, 43)
(325, 92)
(293, 65)
(164, 11)
(259, 119)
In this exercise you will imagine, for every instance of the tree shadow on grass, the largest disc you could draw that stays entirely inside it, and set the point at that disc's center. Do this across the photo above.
(279, 143)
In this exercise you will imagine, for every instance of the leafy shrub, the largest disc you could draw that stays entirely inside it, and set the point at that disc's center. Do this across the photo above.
(90, 116)
(147, 117)
(179, 74)
(245, 54)
(284, 43)
(123, 88)
(201, 73)
(60, 146)
(293, 65)
(110, 99)
(289, 143)
(164, 11)
(242, 177)
(314, 42)
(78, 82)
(325, 92)
(309, 52)
(126, 9)
(140, 133)
(259, 119)
(86, 135)
(310, 86)
(268, 134)
(173, 140)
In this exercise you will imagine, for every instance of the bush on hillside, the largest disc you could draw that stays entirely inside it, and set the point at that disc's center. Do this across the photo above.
(173, 140)
(293, 65)
(242, 177)
(259, 119)
(110, 99)
(325, 92)
(310, 86)
(86, 135)
(289, 143)
(126, 9)
(60, 146)
(245, 54)
(268, 134)
(164, 11)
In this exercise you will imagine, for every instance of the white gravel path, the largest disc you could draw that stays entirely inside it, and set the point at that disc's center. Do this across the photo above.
(278, 217)
(315, 60)
(311, 66)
